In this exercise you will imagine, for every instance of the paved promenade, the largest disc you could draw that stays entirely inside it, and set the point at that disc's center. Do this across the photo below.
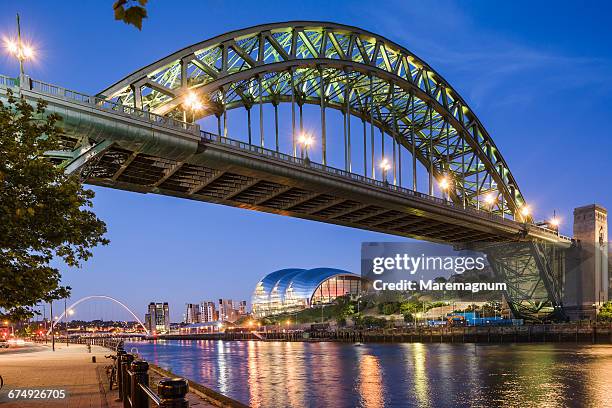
(69, 368)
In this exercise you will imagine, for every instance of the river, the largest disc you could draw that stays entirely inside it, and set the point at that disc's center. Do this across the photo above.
(298, 374)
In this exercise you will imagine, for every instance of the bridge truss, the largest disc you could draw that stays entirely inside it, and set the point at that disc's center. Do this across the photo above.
(398, 97)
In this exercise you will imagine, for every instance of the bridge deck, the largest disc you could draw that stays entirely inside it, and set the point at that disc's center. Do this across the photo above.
(152, 154)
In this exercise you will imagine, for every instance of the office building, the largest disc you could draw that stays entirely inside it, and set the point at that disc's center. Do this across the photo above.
(192, 313)
(158, 318)
(208, 312)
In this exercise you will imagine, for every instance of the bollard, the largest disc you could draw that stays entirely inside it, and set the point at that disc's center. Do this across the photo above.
(126, 361)
(93, 359)
(140, 375)
(120, 354)
(172, 392)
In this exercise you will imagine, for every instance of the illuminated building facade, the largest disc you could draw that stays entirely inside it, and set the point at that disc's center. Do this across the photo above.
(292, 290)
(208, 312)
(157, 318)
(192, 313)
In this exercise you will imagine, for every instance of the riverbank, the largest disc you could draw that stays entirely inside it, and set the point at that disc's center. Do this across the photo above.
(600, 333)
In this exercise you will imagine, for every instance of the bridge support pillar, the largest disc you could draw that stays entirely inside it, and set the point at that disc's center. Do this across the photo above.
(586, 280)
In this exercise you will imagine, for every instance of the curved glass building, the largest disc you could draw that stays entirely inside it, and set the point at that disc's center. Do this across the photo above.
(291, 290)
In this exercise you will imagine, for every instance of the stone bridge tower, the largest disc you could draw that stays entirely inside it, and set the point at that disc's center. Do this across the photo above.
(587, 281)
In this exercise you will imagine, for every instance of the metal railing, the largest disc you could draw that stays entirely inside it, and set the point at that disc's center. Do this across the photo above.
(268, 153)
(134, 390)
(8, 81)
(98, 102)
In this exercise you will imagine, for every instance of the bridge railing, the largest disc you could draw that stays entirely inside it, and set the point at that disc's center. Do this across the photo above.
(8, 81)
(211, 137)
(98, 102)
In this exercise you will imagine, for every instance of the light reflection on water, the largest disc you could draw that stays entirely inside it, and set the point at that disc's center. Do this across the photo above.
(279, 374)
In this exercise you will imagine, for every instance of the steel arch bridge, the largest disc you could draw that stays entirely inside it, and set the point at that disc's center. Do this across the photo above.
(140, 134)
(86, 298)
(341, 67)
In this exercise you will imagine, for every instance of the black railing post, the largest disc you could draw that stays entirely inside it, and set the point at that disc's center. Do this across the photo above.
(172, 392)
(119, 362)
(140, 375)
(126, 360)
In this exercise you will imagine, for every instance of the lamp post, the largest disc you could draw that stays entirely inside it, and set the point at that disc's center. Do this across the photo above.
(384, 166)
(52, 325)
(444, 185)
(525, 211)
(490, 200)
(19, 50)
(305, 140)
(192, 103)
(555, 222)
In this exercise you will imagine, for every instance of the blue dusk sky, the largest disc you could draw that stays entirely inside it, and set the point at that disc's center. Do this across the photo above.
(537, 74)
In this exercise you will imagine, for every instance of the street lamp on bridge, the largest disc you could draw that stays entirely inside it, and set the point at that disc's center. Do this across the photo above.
(20, 50)
(445, 185)
(305, 140)
(385, 166)
(525, 211)
(490, 200)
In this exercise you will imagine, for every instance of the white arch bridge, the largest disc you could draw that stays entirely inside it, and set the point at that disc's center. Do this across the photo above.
(86, 298)
(410, 157)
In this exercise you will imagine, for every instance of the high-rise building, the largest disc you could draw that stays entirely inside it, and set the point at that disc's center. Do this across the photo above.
(192, 313)
(227, 313)
(242, 308)
(208, 312)
(158, 318)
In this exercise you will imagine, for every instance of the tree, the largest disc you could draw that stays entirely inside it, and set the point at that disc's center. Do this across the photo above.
(45, 213)
(131, 11)
(605, 312)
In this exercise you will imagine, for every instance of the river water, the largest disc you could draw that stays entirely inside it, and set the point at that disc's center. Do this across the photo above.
(285, 374)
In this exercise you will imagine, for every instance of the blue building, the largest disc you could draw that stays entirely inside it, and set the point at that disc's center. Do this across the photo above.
(292, 290)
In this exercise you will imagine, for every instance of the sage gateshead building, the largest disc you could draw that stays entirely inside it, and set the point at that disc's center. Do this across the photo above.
(292, 290)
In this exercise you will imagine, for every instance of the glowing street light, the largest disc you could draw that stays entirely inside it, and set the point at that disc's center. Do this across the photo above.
(525, 211)
(385, 166)
(305, 140)
(555, 222)
(444, 183)
(18, 49)
(70, 312)
(193, 102)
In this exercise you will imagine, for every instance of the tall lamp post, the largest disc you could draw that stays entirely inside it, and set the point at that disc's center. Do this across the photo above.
(445, 185)
(52, 325)
(305, 140)
(385, 166)
(19, 50)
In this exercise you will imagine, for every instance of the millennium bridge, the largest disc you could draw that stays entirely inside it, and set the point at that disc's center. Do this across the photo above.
(407, 156)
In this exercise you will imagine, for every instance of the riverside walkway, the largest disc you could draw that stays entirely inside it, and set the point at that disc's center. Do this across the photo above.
(69, 368)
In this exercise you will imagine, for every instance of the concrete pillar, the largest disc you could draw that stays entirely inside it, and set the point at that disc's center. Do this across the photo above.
(587, 280)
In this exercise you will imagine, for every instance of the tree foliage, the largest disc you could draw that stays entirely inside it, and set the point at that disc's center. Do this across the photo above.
(44, 213)
(131, 11)
(605, 312)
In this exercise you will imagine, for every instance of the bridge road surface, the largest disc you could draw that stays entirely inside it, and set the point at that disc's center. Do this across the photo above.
(68, 368)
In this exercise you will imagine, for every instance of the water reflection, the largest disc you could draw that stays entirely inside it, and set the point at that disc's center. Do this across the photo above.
(276, 374)
(370, 381)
